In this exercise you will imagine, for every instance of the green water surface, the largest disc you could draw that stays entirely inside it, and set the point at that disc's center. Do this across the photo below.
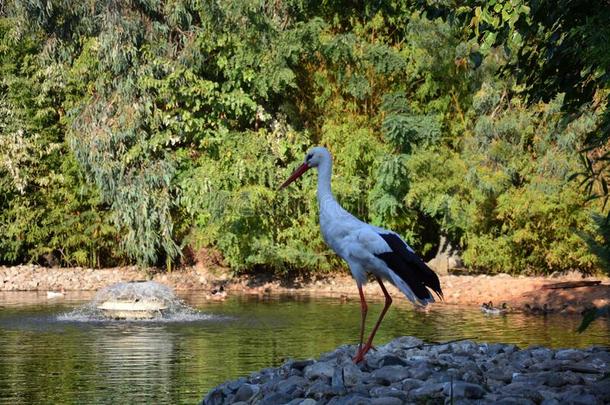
(44, 359)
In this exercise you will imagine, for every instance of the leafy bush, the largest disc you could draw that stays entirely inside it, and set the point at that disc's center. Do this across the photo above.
(132, 130)
(49, 212)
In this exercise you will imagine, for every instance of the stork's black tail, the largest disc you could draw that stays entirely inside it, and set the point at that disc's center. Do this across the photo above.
(410, 271)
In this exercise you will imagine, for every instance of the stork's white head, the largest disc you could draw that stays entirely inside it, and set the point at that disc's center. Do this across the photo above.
(317, 155)
(314, 158)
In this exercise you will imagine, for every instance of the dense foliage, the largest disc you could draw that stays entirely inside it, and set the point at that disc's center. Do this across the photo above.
(135, 130)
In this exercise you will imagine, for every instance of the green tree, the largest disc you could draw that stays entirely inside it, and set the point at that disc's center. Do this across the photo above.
(48, 211)
(152, 126)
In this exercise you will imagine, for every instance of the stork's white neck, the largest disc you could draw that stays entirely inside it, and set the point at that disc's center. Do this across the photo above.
(325, 169)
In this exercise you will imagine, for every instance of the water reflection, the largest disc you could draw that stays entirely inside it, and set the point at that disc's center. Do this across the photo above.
(47, 360)
(118, 352)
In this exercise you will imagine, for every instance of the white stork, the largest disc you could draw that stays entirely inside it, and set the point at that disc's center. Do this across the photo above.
(367, 248)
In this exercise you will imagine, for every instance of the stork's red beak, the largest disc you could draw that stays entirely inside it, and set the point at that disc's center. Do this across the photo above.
(297, 173)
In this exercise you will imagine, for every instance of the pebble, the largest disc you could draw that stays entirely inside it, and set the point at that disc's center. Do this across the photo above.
(569, 354)
(406, 371)
(352, 375)
(319, 369)
(390, 374)
(386, 401)
(427, 390)
(461, 389)
(245, 392)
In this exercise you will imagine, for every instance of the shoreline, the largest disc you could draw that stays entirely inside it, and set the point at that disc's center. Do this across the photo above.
(520, 293)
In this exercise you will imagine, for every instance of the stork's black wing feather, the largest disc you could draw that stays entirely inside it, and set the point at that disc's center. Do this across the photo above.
(418, 276)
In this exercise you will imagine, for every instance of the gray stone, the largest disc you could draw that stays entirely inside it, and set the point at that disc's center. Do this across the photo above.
(575, 398)
(524, 365)
(470, 372)
(439, 349)
(427, 390)
(308, 401)
(391, 360)
(298, 401)
(500, 374)
(226, 390)
(234, 385)
(494, 384)
(342, 351)
(462, 389)
(301, 364)
(246, 391)
(529, 378)
(337, 380)
(445, 359)
(421, 372)
(350, 399)
(294, 371)
(572, 378)
(379, 392)
(514, 401)
(582, 367)
(362, 389)
(520, 389)
(569, 354)
(473, 378)
(319, 390)
(550, 401)
(549, 393)
(345, 357)
(599, 359)
(418, 358)
(495, 348)
(404, 342)
(453, 372)
(411, 383)
(509, 349)
(466, 347)
(319, 369)
(352, 375)
(291, 384)
(549, 364)
(554, 379)
(215, 397)
(542, 354)
(390, 374)
(456, 359)
(602, 390)
(520, 356)
(386, 401)
(442, 376)
(276, 398)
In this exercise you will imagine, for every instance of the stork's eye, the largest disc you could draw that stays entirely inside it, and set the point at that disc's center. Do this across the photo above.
(308, 157)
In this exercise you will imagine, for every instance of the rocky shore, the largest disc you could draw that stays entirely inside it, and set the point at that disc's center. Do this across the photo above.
(408, 370)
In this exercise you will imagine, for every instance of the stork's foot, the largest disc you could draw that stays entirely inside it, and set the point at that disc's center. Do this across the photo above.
(361, 352)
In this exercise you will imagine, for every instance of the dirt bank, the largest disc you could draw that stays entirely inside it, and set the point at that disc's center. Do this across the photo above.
(519, 293)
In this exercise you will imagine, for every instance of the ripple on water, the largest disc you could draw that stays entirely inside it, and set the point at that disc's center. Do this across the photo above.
(87, 315)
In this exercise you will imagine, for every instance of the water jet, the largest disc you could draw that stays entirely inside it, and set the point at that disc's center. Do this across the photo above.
(135, 301)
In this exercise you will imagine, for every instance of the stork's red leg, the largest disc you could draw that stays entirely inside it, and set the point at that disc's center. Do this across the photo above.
(369, 343)
(363, 310)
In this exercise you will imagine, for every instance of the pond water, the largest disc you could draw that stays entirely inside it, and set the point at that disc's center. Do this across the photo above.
(49, 358)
